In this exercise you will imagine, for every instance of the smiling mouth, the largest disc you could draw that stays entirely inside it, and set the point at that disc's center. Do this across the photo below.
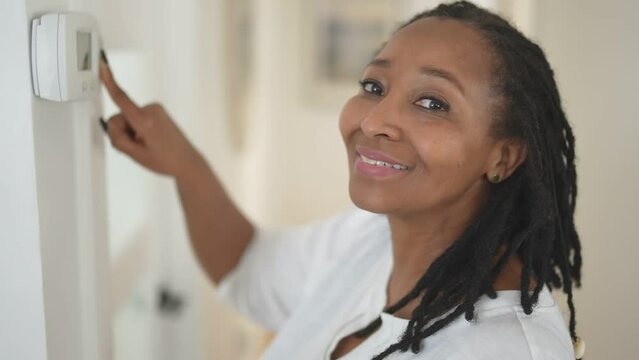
(382, 163)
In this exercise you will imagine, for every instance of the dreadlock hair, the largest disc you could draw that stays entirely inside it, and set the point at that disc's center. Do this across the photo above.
(530, 214)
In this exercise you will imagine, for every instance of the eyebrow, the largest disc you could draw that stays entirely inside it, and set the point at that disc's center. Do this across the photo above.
(440, 73)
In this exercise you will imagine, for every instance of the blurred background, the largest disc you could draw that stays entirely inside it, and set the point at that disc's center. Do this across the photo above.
(257, 86)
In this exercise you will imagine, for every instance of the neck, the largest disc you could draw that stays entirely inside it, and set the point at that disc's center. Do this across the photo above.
(417, 242)
(419, 239)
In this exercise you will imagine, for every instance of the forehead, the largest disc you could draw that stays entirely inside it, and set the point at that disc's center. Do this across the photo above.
(443, 43)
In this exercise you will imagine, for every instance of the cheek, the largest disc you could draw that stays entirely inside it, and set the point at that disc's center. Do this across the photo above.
(450, 155)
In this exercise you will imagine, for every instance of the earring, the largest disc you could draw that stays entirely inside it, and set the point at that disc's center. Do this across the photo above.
(495, 178)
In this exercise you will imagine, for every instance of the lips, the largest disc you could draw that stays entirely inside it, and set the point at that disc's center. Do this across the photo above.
(382, 163)
(378, 156)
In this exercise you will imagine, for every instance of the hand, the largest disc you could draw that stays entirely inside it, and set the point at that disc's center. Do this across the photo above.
(147, 134)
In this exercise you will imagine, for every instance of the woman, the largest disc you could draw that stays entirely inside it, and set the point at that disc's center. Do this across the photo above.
(462, 163)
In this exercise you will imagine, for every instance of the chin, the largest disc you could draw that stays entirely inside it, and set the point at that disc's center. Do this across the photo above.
(369, 201)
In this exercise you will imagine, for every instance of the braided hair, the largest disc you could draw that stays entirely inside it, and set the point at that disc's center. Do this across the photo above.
(530, 214)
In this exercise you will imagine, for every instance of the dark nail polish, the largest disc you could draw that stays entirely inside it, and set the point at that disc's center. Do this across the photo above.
(105, 125)
(103, 56)
(130, 132)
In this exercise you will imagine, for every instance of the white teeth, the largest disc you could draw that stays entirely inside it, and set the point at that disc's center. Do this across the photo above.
(382, 163)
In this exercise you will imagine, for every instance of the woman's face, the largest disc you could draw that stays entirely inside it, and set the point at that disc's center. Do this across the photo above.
(423, 116)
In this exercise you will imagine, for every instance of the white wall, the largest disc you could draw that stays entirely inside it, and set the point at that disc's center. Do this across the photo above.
(22, 329)
(593, 48)
(58, 150)
(54, 152)
(69, 154)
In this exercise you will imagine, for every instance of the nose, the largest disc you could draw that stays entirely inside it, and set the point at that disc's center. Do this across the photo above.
(382, 120)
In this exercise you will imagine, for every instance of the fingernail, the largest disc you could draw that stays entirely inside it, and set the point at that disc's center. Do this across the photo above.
(105, 125)
(103, 56)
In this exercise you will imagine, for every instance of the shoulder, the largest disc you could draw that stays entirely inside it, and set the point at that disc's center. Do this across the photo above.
(503, 331)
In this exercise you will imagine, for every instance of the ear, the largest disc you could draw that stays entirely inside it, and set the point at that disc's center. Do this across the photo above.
(507, 155)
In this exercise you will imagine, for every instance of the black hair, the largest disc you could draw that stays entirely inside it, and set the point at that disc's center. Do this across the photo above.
(530, 214)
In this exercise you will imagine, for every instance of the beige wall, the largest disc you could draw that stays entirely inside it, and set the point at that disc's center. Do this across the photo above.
(594, 50)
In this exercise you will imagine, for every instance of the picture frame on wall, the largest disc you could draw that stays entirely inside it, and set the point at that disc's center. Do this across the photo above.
(341, 37)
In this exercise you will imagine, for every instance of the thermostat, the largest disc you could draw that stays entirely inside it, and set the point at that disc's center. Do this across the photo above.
(65, 53)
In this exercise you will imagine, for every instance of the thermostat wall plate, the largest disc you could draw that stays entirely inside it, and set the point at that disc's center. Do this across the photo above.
(65, 53)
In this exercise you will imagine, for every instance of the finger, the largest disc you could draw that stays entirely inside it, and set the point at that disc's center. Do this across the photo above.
(120, 98)
(122, 138)
(129, 108)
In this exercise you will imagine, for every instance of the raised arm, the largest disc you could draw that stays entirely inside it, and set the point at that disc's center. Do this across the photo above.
(218, 231)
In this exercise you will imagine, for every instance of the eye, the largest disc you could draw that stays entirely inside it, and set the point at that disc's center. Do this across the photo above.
(372, 87)
(431, 103)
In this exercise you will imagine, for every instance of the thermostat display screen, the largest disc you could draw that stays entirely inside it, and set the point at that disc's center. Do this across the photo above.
(84, 50)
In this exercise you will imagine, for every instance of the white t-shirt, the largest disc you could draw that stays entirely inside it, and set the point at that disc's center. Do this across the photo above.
(317, 283)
